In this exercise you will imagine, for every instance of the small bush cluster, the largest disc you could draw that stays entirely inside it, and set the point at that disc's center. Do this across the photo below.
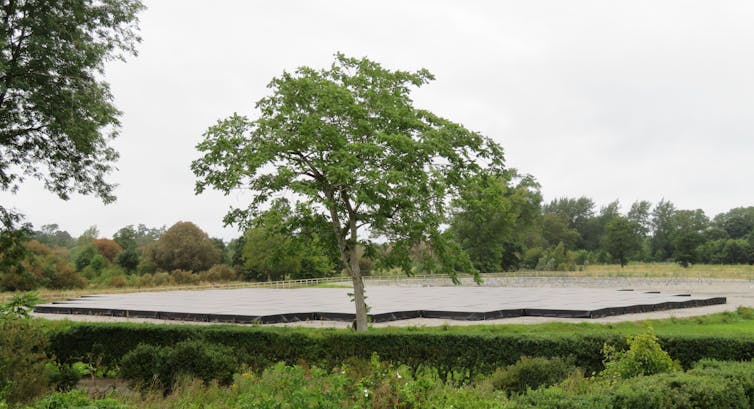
(532, 373)
(643, 357)
(75, 400)
(710, 384)
(159, 366)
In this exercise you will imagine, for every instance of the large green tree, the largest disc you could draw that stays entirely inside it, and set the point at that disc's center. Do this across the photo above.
(56, 112)
(185, 246)
(348, 143)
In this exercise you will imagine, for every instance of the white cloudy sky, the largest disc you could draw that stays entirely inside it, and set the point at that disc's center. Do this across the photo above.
(613, 100)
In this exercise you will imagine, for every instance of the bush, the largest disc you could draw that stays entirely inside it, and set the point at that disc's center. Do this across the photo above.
(143, 366)
(118, 281)
(64, 377)
(711, 384)
(532, 373)
(643, 357)
(184, 277)
(149, 365)
(75, 400)
(741, 372)
(679, 391)
(219, 272)
(22, 360)
(65, 277)
(162, 278)
(147, 280)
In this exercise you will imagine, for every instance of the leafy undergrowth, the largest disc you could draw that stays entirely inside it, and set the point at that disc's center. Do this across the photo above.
(372, 384)
(710, 384)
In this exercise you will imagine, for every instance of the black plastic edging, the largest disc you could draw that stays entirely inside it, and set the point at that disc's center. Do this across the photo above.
(382, 317)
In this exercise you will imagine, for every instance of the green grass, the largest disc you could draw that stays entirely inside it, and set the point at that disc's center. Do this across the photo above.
(732, 323)
(668, 270)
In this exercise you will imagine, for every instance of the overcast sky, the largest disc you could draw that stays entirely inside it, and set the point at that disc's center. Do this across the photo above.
(611, 100)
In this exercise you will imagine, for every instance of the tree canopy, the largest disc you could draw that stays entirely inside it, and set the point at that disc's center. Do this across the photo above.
(489, 216)
(348, 143)
(185, 246)
(56, 113)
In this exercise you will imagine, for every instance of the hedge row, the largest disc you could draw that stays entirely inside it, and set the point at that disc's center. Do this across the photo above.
(262, 347)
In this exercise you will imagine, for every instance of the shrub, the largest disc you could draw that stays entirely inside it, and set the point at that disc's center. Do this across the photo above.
(532, 373)
(63, 276)
(142, 365)
(98, 263)
(741, 372)
(22, 360)
(75, 400)
(679, 391)
(147, 280)
(118, 281)
(146, 264)
(202, 360)
(162, 278)
(556, 398)
(150, 365)
(184, 277)
(219, 272)
(643, 357)
(64, 377)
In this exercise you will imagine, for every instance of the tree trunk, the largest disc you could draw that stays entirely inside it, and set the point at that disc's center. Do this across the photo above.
(358, 290)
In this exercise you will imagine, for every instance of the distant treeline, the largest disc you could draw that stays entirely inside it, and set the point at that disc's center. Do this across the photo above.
(495, 228)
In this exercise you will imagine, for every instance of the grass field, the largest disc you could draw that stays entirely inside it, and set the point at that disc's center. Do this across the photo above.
(732, 323)
(663, 270)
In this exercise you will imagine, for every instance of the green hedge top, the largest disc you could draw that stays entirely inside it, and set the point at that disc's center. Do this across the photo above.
(477, 352)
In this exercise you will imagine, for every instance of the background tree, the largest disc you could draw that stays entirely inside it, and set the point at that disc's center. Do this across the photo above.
(687, 235)
(185, 246)
(280, 245)
(622, 238)
(51, 235)
(738, 223)
(138, 236)
(662, 229)
(575, 211)
(592, 236)
(555, 230)
(109, 249)
(489, 215)
(347, 143)
(640, 214)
